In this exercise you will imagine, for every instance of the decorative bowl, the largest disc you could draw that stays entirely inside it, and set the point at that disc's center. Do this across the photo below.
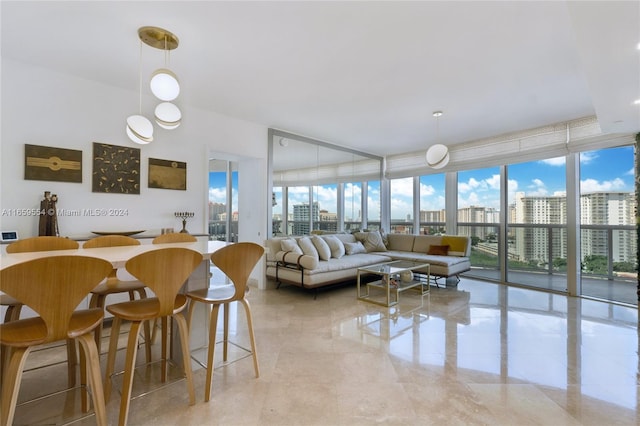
(127, 233)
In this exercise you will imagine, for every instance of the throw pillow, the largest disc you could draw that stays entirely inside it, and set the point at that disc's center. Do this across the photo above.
(438, 250)
(307, 247)
(324, 252)
(336, 246)
(354, 248)
(372, 241)
(289, 244)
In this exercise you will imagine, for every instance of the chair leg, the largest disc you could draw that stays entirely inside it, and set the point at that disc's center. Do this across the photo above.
(90, 350)
(129, 366)
(186, 357)
(225, 336)
(83, 380)
(11, 383)
(213, 323)
(98, 301)
(111, 357)
(13, 312)
(164, 355)
(72, 362)
(252, 337)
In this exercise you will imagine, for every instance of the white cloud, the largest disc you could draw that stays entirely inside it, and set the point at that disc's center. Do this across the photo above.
(593, 185)
(537, 188)
(402, 187)
(494, 182)
(631, 172)
(468, 186)
(558, 161)
(218, 195)
(588, 157)
(426, 190)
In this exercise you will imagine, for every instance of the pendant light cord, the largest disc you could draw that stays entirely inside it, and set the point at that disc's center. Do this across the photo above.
(140, 79)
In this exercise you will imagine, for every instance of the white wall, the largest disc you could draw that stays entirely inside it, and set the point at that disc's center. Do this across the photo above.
(42, 107)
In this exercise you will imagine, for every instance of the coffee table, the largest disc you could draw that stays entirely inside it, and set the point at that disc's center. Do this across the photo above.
(394, 279)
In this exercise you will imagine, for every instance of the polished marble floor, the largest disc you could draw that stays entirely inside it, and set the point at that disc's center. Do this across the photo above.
(474, 354)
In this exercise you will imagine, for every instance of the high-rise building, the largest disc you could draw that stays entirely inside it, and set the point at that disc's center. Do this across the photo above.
(301, 215)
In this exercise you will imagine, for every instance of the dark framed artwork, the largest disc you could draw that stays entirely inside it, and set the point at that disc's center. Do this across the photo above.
(167, 174)
(116, 169)
(55, 164)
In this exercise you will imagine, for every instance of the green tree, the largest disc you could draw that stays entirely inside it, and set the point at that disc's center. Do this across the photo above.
(474, 241)
(596, 264)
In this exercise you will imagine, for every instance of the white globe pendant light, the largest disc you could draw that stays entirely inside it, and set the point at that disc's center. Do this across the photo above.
(139, 129)
(437, 156)
(164, 84)
(168, 116)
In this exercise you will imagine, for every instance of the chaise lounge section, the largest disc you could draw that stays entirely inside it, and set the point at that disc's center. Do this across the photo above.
(320, 260)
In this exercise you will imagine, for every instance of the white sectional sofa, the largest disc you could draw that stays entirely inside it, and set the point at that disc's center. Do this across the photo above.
(320, 260)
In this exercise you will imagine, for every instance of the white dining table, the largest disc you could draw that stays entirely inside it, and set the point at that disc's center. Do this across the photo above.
(118, 256)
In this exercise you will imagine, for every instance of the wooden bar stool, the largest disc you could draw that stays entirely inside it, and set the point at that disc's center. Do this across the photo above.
(14, 306)
(163, 271)
(236, 261)
(53, 287)
(113, 285)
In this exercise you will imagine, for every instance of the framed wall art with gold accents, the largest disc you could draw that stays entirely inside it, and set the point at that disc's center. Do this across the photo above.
(167, 174)
(116, 169)
(54, 164)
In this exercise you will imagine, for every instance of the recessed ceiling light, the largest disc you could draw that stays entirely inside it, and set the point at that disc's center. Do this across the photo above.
(638, 46)
(437, 113)
(636, 102)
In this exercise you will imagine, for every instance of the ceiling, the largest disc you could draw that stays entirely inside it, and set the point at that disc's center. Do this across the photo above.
(365, 75)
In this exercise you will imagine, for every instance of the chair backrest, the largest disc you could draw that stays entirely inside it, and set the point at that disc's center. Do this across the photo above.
(164, 271)
(111, 241)
(44, 243)
(174, 237)
(54, 286)
(237, 261)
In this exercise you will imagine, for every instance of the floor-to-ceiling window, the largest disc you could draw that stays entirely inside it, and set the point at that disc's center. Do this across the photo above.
(479, 218)
(536, 224)
(432, 204)
(223, 200)
(326, 197)
(352, 206)
(373, 212)
(608, 235)
(401, 205)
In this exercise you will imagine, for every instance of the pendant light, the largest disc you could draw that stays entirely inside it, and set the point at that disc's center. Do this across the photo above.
(437, 155)
(164, 83)
(139, 128)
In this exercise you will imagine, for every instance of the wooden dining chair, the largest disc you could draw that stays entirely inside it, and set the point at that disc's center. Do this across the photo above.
(113, 285)
(163, 271)
(174, 237)
(236, 261)
(53, 287)
(14, 307)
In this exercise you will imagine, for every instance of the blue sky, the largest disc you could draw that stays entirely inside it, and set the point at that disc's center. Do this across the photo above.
(602, 170)
(218, 188)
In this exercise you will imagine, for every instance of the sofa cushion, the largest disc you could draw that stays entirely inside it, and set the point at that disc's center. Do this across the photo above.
(346, 238)
(289, 244)
(307, 262)
(324, 252)
(422, 243)
(441, 250)
(336, 246)
(457, 244)
(401, 242)
(372, 241)
(354, 248)
(307, 246)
